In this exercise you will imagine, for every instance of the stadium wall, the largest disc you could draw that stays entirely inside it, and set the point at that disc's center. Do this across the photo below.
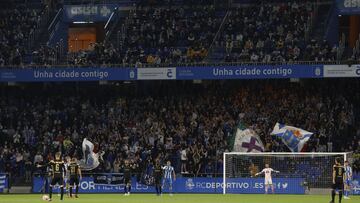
(188, 185)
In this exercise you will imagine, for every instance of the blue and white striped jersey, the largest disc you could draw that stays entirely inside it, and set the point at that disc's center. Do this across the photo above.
(168, 172)
(348, 172)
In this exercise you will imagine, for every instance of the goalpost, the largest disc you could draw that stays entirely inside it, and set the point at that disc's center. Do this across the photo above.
(300, 173)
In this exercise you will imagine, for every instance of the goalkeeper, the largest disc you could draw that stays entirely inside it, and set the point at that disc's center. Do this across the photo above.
(268, 180)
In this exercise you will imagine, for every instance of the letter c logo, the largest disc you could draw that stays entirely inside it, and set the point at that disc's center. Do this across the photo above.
(169, 73)
(357, 72)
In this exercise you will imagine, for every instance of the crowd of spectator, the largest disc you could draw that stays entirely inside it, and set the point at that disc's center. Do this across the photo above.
(165, 36)
(272, 33)
(17, 22)
(187, 124)
(265, 33)
(157, 32)
(45, 55)
(100, 54)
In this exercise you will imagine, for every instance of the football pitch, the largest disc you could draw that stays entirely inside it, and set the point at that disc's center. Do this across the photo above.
(177, 198)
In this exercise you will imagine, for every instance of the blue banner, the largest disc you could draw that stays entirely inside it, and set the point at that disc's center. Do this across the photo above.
(355, 185)
(171, 73)
(66, 74)
(348, 7)
(191, 185)
(86, 13)
(240, 185)
(249, 72)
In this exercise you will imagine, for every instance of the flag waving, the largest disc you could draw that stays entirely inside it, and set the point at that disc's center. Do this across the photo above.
(294, 138)
(246, 140)
(90, 159)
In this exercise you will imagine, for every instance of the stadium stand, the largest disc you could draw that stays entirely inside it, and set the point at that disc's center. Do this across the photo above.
(186, 123)
(23, 23)
(162, 33)
(271, 33)
(197, 120)
(17, 22)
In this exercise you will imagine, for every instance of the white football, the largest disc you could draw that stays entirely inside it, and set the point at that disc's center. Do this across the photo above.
(45, 197)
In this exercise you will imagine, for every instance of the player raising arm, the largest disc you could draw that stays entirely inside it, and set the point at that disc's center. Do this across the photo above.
(58, 170)
(338, 180)
(268, 180)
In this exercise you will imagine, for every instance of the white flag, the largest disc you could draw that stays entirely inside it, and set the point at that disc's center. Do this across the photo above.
(294, 138)
(246, 140)
(90, 159)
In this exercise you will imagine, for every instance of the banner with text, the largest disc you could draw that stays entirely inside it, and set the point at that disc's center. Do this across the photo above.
(349, 7)
(187, 185)
(171, 73)
(156, 74)
(90, 12)
(249, 72)
(341, 71)
(66, 74)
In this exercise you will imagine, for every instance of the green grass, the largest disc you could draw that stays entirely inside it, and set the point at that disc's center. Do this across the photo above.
(177, 198)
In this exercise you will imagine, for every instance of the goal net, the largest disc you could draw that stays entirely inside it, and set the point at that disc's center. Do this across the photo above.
(299, 173)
